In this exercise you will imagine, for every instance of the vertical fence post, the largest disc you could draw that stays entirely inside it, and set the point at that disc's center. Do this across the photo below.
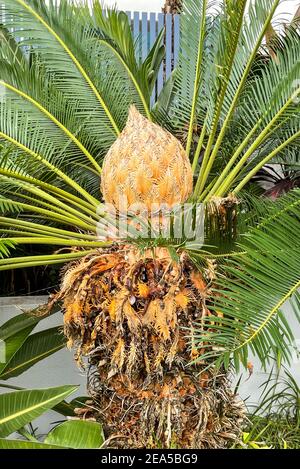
(176, 38)
(160, 78)
(153, 36)
(137, 35)
(128, 13)
(169, 55)
(145, 37)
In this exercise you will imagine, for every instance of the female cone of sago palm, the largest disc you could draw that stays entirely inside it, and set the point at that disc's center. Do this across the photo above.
(128, 309)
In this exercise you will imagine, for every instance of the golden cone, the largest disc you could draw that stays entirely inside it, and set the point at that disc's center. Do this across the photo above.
(147, 165)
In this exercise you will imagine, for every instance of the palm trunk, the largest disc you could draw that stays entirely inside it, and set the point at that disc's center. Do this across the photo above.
(129, 309)
(129, 313)
(172, 6)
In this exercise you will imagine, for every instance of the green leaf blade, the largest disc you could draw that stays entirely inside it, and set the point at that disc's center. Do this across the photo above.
(36, 347)
(20, 444)
(78, 434)
(21, 407)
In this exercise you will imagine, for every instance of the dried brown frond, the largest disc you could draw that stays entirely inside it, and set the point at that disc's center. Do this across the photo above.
(127, 313)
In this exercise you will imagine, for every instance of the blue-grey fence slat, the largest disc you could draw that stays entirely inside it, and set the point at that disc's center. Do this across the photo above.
(128, 13)
(145, 36)
(169, 52)
(176, 38)
(160, 78)
(153, 30)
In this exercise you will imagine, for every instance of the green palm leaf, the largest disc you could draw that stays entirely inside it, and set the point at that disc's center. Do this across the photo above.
(50, 259)
(115, 36)
(252, 31)
(252, 289)
(43, 124)
(11, 344)
(19, 167)
(227, 102)
(76, 434)
(43, 28)
(39, 158)
(15, 332)
(5, 248)
(270, 105)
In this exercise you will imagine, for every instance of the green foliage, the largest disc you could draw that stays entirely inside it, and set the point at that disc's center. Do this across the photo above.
(79, 434)
(64, 408)
(35, 348)
(237, 111)
(5, 247)
(281, 395)
(277, 432)
(22, 349)
(60, 113)
(114, 28)
(251, 441)
(25, 444)
(276, 419)
(252, 287)
(75, 434)
(21, 407)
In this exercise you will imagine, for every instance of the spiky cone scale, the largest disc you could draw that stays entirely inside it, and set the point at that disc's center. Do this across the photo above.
(145, 165)
(128, 311)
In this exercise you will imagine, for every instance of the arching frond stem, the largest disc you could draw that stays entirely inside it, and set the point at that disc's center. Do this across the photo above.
(53, 168)
(54, 120)
(265, 161)
(74, 59)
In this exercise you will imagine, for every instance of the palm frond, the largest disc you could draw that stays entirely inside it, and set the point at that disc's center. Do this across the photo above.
(5, 247)
(252, 289)
(19, 141)
(230, 100)
(186, 78)
(114, 31)
(270, 104)
(10, 53)
(74, 65)
(13, 177)
(39, 119)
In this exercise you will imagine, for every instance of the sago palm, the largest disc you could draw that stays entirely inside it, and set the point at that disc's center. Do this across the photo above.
(158, 318)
